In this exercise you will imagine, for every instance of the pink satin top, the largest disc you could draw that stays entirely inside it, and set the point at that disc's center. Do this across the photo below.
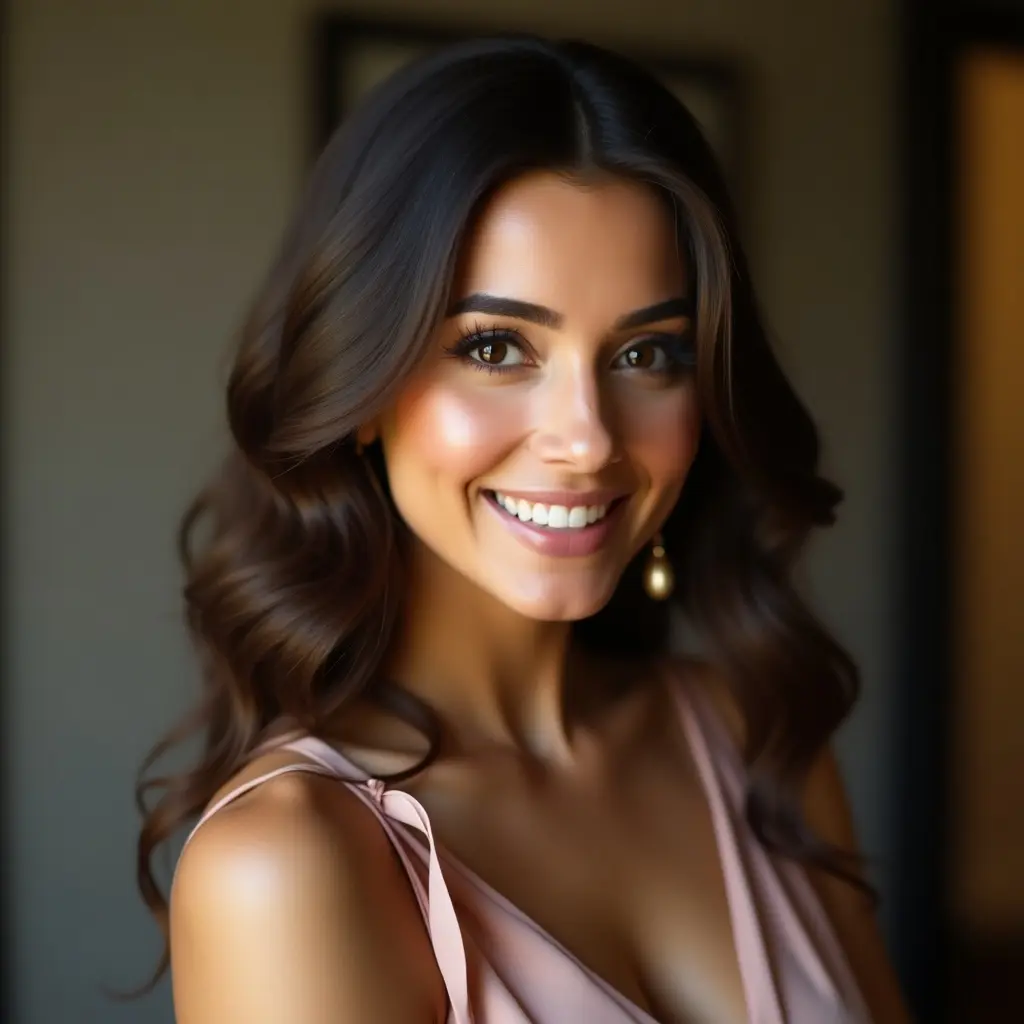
(501, 967)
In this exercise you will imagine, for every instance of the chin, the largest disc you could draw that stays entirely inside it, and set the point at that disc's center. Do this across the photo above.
(557, 603)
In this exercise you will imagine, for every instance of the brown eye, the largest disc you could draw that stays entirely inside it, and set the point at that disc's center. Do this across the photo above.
(493, 352)
(640, 357)
(662, 354)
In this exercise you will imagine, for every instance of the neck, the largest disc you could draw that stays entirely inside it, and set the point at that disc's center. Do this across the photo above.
(496, 678)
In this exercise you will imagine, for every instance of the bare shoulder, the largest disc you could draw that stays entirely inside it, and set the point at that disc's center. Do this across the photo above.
(289, 904)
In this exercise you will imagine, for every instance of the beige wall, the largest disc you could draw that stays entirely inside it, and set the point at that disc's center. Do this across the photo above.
(989, 754)
(155, 150)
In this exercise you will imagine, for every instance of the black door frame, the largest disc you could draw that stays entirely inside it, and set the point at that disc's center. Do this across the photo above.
(935, 36)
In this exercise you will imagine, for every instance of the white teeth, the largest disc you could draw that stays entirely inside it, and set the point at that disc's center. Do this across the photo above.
(555, 517)
(558, 517)
(578, 516)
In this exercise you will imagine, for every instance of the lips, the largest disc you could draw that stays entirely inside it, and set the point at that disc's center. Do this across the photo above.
(575, 538)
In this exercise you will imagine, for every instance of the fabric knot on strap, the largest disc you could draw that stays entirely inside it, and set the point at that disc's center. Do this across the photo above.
(443, 923)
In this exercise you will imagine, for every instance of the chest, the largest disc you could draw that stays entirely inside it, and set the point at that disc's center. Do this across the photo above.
(624, 872)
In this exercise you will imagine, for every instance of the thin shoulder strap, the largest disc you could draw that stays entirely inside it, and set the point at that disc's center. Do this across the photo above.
(759, 985)
(796, 909)
(445, 932)
(388, 806)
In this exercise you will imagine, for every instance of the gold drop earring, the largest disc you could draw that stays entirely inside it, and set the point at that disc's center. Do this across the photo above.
(659, 579)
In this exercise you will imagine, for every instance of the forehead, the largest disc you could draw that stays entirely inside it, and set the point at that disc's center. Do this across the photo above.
(606, 247)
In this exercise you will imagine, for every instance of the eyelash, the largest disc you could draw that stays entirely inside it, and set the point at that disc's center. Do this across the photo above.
(678, 348)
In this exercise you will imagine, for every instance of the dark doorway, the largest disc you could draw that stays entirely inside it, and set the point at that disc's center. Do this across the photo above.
(952, 970)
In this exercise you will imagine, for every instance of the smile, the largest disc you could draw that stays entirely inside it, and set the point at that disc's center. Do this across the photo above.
(568, 530)
(553, 517)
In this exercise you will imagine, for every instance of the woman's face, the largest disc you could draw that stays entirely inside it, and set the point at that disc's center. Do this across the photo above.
(548, 434)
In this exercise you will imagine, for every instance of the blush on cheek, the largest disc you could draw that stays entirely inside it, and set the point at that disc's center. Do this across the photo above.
(456, 424)
(461, 435)
(667, 435)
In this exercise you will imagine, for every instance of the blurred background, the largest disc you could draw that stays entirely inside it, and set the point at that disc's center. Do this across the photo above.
(152, 152)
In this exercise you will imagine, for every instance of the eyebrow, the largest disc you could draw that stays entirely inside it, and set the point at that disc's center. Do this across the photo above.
(496, 305)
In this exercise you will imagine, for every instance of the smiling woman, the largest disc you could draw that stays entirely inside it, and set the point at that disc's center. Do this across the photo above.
(574, 400)
(507, 383)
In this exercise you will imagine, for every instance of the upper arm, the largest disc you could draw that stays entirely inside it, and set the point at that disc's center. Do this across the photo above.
(291, 907)
(851, 911)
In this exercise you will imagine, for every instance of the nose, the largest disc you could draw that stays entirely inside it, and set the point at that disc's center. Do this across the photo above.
(571, 426)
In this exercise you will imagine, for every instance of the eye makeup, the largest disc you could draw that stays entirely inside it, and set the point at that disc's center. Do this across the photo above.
(500, 349)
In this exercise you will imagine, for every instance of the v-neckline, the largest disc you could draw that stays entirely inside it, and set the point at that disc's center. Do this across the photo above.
(514, 910)
(755, 969)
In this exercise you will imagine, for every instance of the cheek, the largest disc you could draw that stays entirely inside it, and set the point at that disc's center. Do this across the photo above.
(441, 436)
(663, 435)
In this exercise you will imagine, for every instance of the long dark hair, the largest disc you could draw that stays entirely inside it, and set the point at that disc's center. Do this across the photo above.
(292, 553)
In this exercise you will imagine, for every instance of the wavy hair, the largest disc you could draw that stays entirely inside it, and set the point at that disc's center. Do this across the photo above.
(293, 552)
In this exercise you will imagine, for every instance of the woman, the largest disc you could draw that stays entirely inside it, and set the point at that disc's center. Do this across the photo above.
(504, 403)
